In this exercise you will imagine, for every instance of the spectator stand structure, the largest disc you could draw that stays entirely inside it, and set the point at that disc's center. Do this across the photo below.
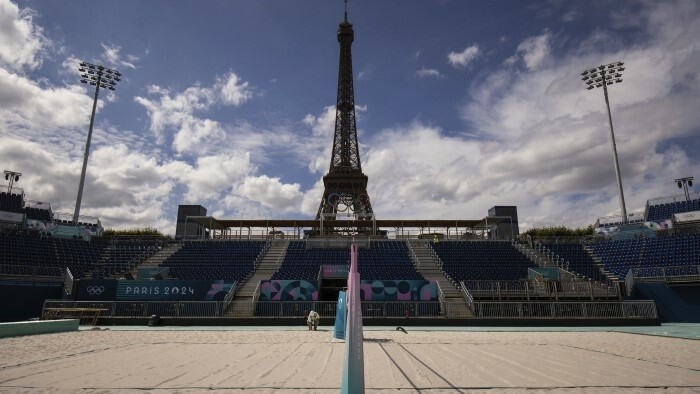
(493, 272)
(664, 208)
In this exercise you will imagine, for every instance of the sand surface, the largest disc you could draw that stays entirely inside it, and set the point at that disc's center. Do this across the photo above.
(307, 362)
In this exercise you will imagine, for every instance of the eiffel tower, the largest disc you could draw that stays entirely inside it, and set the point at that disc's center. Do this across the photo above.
(345, 195)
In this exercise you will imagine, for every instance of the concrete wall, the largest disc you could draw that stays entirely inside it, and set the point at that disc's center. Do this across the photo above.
(37, 327)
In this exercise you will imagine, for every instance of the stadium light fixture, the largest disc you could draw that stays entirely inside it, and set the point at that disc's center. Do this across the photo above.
(99, 77)
(602, 76)
(685, 183)
(12, 177)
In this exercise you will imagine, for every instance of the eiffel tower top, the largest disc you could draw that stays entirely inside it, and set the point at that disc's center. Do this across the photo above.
(345, 27)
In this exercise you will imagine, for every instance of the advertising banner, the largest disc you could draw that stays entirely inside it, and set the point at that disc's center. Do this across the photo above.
(12, 217)
(687, 217)
(398, 290)
(38, 225)
(172, 290)
(288, 290)
(335, 271)
(96, 290)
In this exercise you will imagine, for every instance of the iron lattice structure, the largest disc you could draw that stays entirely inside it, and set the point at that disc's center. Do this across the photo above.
(345, 184)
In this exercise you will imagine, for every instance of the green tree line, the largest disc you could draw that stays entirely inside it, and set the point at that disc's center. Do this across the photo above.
(559, 231)
(135, 232)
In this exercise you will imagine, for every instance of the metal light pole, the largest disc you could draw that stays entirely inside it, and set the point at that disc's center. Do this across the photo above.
(13, 177)
(685, 183)
(99, 77)
(602, 76)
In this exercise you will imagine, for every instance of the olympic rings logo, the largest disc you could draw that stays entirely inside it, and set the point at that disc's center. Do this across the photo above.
(342, 202)
(95, 290)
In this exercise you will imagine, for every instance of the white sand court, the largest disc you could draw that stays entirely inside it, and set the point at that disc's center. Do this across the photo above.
(300, 361)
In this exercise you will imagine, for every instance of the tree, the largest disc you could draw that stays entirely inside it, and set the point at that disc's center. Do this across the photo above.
(135, 232)
(559, 231)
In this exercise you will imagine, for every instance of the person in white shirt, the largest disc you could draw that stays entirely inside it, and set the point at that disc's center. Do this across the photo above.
(312, 320)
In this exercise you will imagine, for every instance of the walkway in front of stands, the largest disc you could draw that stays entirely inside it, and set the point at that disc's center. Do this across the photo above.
(677, 330)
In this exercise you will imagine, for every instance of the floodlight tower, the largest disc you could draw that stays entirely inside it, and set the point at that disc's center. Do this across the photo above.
(602, 76)
(685, 183)
(13, 177)
(99, 77)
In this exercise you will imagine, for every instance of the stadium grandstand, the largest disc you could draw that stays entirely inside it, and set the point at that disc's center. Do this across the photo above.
(437, 272)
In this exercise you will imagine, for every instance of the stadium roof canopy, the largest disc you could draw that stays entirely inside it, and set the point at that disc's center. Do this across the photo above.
(222, 224)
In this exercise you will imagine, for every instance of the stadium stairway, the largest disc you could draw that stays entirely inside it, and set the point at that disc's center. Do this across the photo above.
(242, 303)
(599, 263)
(425, 263)
(540, 259)
(92, 274)
(543, 260)
(157, 258)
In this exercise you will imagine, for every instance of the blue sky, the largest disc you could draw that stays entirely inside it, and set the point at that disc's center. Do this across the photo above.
(461, 105)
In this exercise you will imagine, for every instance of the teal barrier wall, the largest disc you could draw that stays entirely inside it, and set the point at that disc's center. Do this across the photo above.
(547, 273)
(38, 327)
(24, 300)
(676, 304)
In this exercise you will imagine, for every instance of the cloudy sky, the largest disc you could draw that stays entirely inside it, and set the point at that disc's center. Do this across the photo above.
(462, 105)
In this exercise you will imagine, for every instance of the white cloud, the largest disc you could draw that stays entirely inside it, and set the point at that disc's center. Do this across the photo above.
(322, 128)
(365, 73)
(113, 58)
(233, 90)
(211, 176)
(272, 193)
(178, 114)
(535, 50)
(22, 43)
(25, 104)
(429, 72)
(462, 59)
(175, 113)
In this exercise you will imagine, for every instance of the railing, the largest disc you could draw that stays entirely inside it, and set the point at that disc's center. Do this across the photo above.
(229, 296)
(566, 310)
(530, 254)
(434, 255)
(551, 256)
(388, 309)
(467, 296)
(676, 273)
(564, 265)
(527, 289)
(25, 270)
(413, 254)
(68, 282)
(263, 309)
(441, 295)
(282, 255)
(676, 198)
(496, 289)
(256, 293)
